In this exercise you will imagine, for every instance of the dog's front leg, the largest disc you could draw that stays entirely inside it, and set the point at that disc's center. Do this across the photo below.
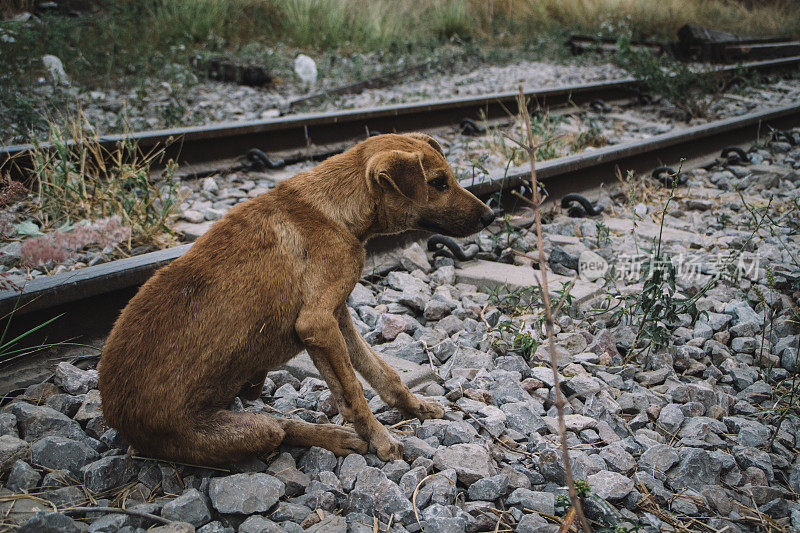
(381, 375)
(319, 330)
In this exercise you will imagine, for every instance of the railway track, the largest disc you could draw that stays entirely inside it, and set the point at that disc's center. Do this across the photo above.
(204, 149)
(88, 300)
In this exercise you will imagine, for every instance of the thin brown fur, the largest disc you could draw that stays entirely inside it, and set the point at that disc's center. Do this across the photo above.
(268, 280)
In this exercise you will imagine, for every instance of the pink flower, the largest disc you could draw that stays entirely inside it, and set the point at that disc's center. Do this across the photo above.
(59, 246)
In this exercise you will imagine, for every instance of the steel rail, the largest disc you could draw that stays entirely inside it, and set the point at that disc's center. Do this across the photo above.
(199, 145)
(91, 298)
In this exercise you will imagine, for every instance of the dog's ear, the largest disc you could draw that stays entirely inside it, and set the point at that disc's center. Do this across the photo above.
(424, 137)
(401, 171)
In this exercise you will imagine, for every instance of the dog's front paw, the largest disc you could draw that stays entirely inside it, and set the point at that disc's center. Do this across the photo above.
(427, 409)
(385, 446)
(341, 440)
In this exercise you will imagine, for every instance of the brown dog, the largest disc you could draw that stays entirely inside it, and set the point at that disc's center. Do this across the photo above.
(267, 280)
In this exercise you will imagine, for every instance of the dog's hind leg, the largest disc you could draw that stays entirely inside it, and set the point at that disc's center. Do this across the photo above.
(383, 378)
(228, 436)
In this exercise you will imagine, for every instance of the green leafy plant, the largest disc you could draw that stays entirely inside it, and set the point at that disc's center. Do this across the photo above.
(690, 92)
(80, 179)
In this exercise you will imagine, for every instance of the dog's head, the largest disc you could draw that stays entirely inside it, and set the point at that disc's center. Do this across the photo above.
(418, 188)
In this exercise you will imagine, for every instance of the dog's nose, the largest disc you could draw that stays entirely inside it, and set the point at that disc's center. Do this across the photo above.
(488, 218)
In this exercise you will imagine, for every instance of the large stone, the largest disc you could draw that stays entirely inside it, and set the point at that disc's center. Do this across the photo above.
(470, 461)
(260, 524)
(285, 469)
(376, 494)
(531, 500)
(489, 488)
(696, 468)
(361, 295)
(510, 277)
(413, 257)
(8, 424)
(75, 380)
(522, 417)
(245, 493)
(658, 458)
(22, 477)
(576, 423)
(61, 453)
(189, 507)
(11, 450)
(610, 486)
(317, 460)
(49, 522)
(37, 421)
(108, 473)
(91, 407)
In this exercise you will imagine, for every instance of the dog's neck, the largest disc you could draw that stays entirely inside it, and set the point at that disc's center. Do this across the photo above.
(340, 194)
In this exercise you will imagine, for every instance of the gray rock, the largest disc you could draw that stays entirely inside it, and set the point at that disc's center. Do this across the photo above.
(394, 470)
(470, 461)
(450, 324)
(551, 466)
(37, 421)
(62, 453)
(374, 493)
(8, 424)
(749, 328)
(748, 432)
(489, 488)
(218, 527)
(9, 253)
(108, 473)
(617, 459)
(260, 524)
(534, 523)
(351, 466)
(541, 502)
(696, 468)
(291, 512)
(22, 477)
(11, 450)
(744, 344)
(658, 458)
(245, 493)
(507, 388)
(751, 457)
(436, 310)
(439, 489)
(75, 380)
(189, 507)
(742, 312)
(90, 408)
(670, 418)
(317, 460)
(49, 522)
(65, 403)
(444, 275)
(413, 257)
(522, 417)
(610, 486)
(409, 481)
(110, 523)
(414, 447)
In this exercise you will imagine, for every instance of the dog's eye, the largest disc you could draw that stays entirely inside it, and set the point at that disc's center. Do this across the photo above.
(439, 184)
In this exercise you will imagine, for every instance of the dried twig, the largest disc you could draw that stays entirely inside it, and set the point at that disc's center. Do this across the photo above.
(118, 510)
(560, 400)
(416, 491)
